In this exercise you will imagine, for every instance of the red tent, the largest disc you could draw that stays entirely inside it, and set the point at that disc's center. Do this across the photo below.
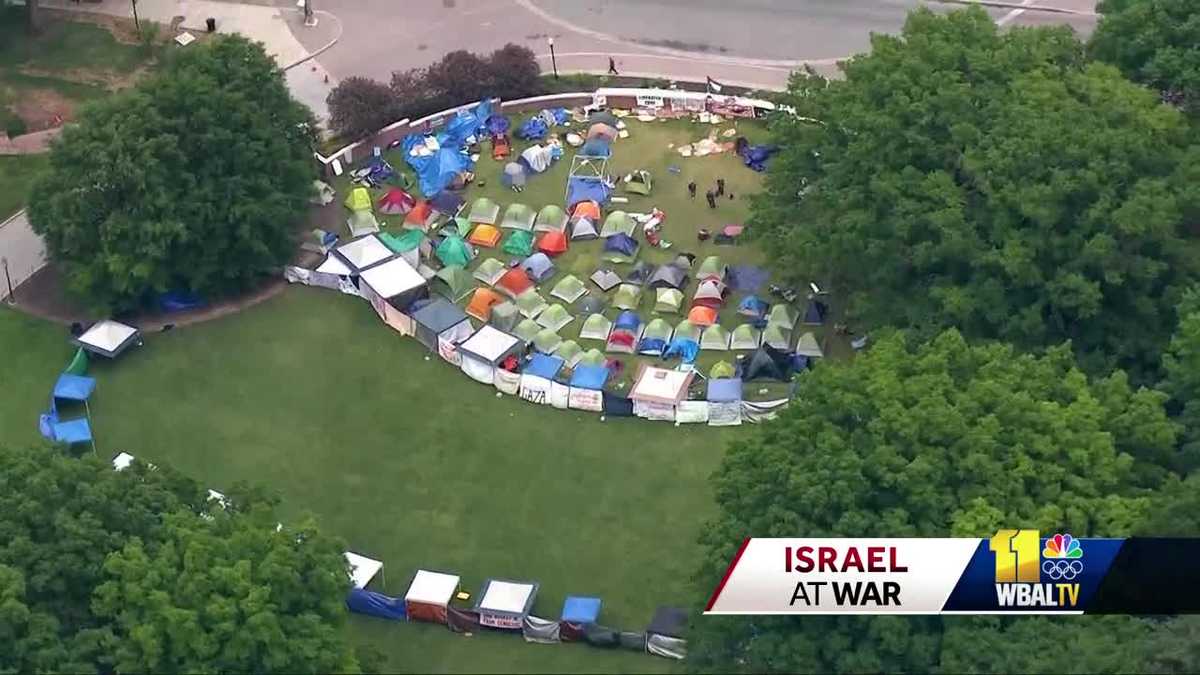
(396, 201)
(515, 282)
(553, 243)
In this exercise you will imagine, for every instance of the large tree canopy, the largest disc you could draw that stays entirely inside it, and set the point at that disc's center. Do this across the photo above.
(994, 182)
(134, 571)
(935, 439)
(192, 180)
(1155, 42)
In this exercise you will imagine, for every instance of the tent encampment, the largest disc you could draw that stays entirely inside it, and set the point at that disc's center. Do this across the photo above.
(484, 211)
(814, 314)
(553, 243)
(702, 316)
(421, 216)
(505, 604)
(490, 271)
(745, 336)
(714, 338)
(482, 302)
(584, 229)
(362, 569)
(712, 267)
(409, 240)
(554, 317)
(590, 305)
(440, 320)
(668, 276)
(485, 235)
(358, 199)
(514, 282)
(587, 208)
(626, 332)
(551, 218)
(767, 363)
(777, 336)
(546, 340)
(531, 303)
(660, 386)
(589, 377)
(668, 301)
(519, 242)
(537, 157)
(446, 203)
(605, 279)
(710, 293)
(429, 596)
(395, 281)
(753, 307)
(638, 182)
(454, 251)
(721, 369)
(363, 252)
(518, 217)
(505, 316)
(569, 289)
(592, 357)
(620, 248)
(362, 222)
(655, 337)
(514, 175)
(627, 297)
(108, 338)
(485, 350)
(808, 346)
(639, 273)
(688, 330)
(527, 329)
(781, 315)
(595, 327)
(538, 266)
(569, 351)
(396, 202)
(618, 222)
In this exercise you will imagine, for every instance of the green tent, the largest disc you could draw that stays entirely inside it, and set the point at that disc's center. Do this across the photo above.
(519, 217)
(453, 251)
(592, 357)
(518, 243)
(359, 199)
(807, 345)
(546, 340)
(618, 222)
(595, 327)
(555, 317)
(527, 330)
(627, 296)
(456, 280)
(721, 369)
(569, 351)
(638, 182)
(711, 267)
(462, 225)
(777, 336)
(668, 300)
(490, 271)
(485, 211)
(78, 364)
(362, 222)
(658, 330)
(551, 218)
(531, 303)
(781, 315)
(745, 336)
(715, 338)
(687, 329)
(569, 288)
(505, 316)
(405, 242)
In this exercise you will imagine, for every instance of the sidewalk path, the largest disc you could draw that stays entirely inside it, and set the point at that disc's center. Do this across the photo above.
(268, 25)
(28, 144)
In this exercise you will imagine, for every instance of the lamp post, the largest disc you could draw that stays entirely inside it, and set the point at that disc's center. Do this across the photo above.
(553, 60)
(136, 24)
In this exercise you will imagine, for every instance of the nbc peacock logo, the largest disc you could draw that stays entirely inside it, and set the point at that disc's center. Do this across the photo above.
(1062, 558)
(1036, 573)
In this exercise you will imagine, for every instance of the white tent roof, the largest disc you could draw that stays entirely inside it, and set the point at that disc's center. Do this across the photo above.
(107, 335)
(490, 344)
(432, 588)
(122, 461)
(364, 252)
(333, 265)
(362, 568)
(660, 385)
(506, 596)
(393, 278)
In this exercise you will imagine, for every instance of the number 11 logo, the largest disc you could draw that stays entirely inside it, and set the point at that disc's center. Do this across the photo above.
(1018, 556)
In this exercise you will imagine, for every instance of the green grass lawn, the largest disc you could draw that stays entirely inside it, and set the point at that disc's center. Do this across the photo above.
(16, 177)
(406, 459)
(651, 146)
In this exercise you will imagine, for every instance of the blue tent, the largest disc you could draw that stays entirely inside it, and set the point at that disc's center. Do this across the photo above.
(74, 387)
(814, 314)
(362, 601)
(582, 189)
(685, 348)
(446, 202)
(581, 610)
(589, 377)
(533, 129)
(653, 346)
(497, 125)
(753, 307)
(621, 243)
(724, 389)
(597, 147)
(627, 320)
(543, 365)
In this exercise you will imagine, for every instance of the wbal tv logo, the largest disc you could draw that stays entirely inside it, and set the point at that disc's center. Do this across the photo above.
(1036, 575)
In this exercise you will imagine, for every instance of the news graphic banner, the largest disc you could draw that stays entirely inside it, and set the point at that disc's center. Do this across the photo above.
(1013, 572)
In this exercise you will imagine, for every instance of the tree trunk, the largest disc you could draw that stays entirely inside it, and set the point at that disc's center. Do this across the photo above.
(33, 16)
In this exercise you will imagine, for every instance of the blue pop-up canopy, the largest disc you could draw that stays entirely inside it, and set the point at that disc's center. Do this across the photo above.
(581, 609)
(73, 431)
(544, 366)
(74, 387)
(589, 377)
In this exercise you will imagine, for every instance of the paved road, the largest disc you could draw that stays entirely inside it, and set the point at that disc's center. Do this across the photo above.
(751, 42)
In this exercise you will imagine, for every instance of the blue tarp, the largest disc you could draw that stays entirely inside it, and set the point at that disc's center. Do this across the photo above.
(533, 129)
(684, 348)
(597, 147)
(362, 601)
(724, 389)
(621, 243)
(73, 431)
(74, 387)
(756, 156)
(746, 278)
(497, 125)
(752, 306)
(179, 301)
(544, 365)
(582, 189)
(561, 116)
(581, 609)
(653, 346)
(589, 377)
(628, 320)
(436, 171)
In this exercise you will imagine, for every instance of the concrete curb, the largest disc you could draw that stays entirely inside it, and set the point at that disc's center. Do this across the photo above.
(324, 48)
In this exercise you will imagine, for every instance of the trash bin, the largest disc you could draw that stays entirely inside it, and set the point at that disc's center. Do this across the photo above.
(212, 24)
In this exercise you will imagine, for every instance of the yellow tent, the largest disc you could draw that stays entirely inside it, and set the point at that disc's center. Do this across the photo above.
(359, 200)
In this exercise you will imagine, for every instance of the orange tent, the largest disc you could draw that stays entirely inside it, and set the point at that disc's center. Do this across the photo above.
(702, 316)
(485, 235)
(553, 243)
(515, 282)
(588, 209)
(482, 302)
(420, 216)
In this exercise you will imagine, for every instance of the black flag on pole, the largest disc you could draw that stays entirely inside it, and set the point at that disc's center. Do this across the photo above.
(714, 87)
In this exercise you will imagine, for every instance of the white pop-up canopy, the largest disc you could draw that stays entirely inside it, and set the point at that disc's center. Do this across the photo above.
(362, 569)
(504, 604)
(490, 345)
(363, 252)
(429, 595)
(394, 278)
(122, 461)
(108, 338)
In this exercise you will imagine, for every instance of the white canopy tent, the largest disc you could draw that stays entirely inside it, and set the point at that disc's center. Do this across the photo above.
(395, 281)
(486, 348)
(504, 604)
(429, 596)
(363, 252)
(108, 338)
(362, 569)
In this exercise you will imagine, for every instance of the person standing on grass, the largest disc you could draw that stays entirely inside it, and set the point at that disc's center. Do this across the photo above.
(692, 189)
(712, 199)
(720, 187)
(612, 66)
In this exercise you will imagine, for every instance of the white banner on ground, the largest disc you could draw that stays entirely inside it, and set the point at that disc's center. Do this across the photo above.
(586, 399)
(560, 395)
(535, 389)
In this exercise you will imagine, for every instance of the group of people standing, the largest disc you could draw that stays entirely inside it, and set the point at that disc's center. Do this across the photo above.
(711, 194)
